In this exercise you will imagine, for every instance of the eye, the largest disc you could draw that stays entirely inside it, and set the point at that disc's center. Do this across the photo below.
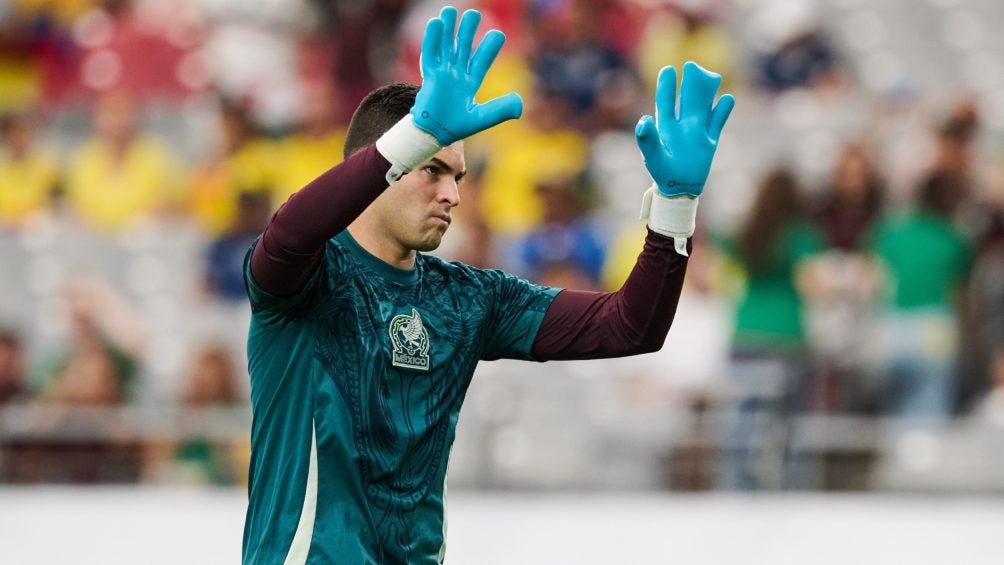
(433, 170)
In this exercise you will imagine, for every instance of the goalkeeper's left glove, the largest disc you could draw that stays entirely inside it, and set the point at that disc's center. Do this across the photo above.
(678, 146)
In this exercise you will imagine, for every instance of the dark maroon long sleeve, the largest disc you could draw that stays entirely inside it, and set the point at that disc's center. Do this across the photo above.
(293, 243)
(633, 320)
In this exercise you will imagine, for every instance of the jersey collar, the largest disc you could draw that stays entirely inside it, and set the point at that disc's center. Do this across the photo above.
(402, 276)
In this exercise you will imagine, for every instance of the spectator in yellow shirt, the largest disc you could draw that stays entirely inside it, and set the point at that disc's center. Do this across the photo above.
(28, 175)
(529, 151)
(120, 175)
(244, 163)
(686, 32)
(315, 147)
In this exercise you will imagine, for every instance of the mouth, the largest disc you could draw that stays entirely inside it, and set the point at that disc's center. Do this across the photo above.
(445, 218)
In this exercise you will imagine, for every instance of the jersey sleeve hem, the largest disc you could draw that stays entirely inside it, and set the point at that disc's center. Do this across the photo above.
(522, 348)
(531, 335)
(268, 306)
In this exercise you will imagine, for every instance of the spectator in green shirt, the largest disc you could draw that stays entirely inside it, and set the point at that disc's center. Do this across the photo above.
(769, 351)
(925, 260)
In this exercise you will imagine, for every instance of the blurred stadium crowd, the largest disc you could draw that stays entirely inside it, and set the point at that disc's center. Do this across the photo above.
(843, 321)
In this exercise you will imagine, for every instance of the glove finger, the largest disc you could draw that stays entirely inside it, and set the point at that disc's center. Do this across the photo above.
(465, 36)
(665, 99)
(430, 45)
(448, 45)
(697, 91)
(651, 146)
(498, 110)
(719, 116)
(485, 54)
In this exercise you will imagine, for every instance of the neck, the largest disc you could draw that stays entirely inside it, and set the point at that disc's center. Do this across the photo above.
(379, 245)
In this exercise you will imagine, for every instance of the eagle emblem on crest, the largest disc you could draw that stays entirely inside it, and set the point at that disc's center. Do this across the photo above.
(410, 341)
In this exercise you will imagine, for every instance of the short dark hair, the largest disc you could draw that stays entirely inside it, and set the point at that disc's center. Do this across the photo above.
(941, 192)
(377, 113)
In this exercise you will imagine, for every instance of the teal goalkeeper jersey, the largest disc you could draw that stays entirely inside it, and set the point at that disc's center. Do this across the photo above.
(356, 387)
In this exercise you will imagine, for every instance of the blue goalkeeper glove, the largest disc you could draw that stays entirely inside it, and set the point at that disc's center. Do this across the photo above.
(678, 146)
(451, 76)
(444, 110)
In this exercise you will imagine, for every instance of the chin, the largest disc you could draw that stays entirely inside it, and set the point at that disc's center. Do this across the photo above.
(433, 238)
(430, 244)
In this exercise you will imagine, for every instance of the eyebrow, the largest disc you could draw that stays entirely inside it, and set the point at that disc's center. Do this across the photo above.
(440, 163)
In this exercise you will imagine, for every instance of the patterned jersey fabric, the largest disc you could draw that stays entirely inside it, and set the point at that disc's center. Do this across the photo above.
(356, 387)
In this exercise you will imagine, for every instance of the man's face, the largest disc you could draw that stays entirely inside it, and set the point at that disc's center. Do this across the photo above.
(416, 210)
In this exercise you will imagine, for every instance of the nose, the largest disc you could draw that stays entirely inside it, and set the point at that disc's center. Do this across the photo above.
(449, 192)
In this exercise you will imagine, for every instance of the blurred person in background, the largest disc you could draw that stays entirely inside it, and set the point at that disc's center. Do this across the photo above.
(853, 200)
(94, 371)
(983, 317)
(686, 30)
(841, 284)
(611, 148)
(770, 357)
(244, 163)
(211, 383)
(798, 53)
(120, 176)
(29, 175)
(360, 34)
(12, 381)
(975, 213)
(12, 389)
(571, 59)
(35, 55)
(225, 256)
(99, 363)
(148, 49)
(566, 243)
(19, 81)
(983, 333)
(538, 147)
(314, 146)
(924, 261)
(955, 138)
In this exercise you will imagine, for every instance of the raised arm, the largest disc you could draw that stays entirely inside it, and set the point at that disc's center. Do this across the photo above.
(678, 145)
(444, 112)
(293, 242)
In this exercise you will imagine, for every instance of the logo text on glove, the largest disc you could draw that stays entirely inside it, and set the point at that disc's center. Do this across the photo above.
(675, 184)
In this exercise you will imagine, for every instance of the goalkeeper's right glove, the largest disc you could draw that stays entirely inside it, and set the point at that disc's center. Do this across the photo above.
(444, 110)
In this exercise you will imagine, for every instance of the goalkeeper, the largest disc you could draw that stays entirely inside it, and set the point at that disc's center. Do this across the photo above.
(361, 348)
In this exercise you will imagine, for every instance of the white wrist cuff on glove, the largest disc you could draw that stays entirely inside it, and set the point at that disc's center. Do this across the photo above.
(406, 146)
(673, 217)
